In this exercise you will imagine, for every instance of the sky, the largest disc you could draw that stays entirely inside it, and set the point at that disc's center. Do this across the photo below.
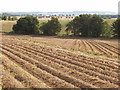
(58, 5)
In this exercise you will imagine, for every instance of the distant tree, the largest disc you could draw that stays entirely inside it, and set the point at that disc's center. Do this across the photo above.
(66, 14)
(44, 28)
(4, 17)
(9, 17)
(116, 28)
(74, 26)
(14, 18)
(86, 25)
(79, 25)
(52, 27)
(27, 25)
(96, 26)
(70, 28)
(73, 14)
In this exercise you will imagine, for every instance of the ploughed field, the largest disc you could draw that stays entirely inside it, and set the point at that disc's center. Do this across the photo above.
(52, 62)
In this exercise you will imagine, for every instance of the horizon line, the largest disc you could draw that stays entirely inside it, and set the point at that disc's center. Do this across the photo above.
(58, 11)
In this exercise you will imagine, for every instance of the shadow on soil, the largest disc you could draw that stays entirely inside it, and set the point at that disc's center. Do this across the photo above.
(61, 37)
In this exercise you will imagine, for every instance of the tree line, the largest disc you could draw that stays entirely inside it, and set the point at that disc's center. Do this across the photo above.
(84, 25)
(8, 18)
(87, 25)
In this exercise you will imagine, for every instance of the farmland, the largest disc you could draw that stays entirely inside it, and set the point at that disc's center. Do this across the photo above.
(31, 61)
(7, 25)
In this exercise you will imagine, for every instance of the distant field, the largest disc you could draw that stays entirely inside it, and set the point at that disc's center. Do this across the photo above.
(110, 21)
(7, 25)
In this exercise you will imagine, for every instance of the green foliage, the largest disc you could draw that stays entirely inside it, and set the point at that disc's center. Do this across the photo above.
(86, 25)
(14, 18)
(73, 26)
(9, 17)
(96, 26)
(107, 30)
(44, 28)
(4, 17)
(70, 28)
(52, 27)
(27, 25)
(116, 27)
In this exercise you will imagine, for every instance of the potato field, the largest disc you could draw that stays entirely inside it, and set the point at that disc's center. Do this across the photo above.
(54, 62)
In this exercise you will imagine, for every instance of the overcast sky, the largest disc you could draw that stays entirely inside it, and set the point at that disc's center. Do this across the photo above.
(58, 5)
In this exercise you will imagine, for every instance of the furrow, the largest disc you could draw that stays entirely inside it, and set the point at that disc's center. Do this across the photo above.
(101, 49)
(108, 69)
(114, 51)
(72, 72)
(23, 76)
(65, 54)
(84, 45)
(58, 62)
(78, 63)
(60, 74)
(109, 45)
(10, 82)
(48, 78)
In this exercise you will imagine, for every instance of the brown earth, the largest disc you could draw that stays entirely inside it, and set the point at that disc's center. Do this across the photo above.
(52, 62)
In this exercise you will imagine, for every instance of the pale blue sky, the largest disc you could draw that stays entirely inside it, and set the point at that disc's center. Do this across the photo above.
(58, 5)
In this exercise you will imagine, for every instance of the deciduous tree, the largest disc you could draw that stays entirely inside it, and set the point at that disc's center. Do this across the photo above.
(27, 25)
